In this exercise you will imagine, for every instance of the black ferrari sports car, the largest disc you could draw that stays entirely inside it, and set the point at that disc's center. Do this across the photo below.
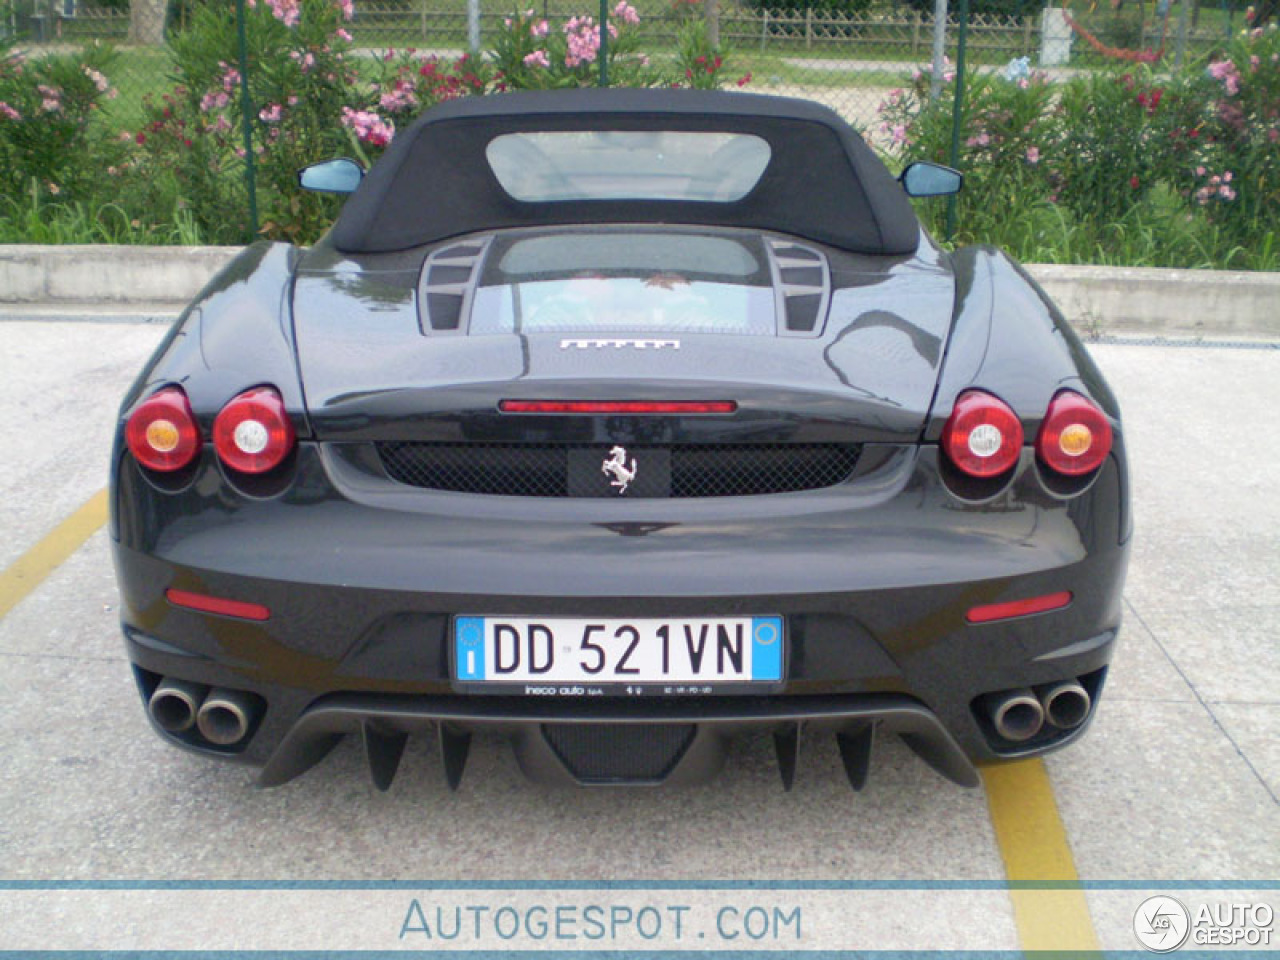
(621, 422)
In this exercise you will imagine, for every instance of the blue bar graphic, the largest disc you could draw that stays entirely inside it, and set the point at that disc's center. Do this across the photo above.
(468, 647)
(766, 648)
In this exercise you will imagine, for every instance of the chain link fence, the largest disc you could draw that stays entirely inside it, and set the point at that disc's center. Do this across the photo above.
(847, 54)
(855, 56)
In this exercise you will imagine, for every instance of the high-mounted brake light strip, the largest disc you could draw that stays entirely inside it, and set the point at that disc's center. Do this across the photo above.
(617, 406)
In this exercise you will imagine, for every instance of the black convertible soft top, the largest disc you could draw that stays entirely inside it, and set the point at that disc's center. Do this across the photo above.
(822, 181)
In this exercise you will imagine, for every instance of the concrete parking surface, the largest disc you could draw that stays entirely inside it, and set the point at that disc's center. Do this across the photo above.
(1178, 778)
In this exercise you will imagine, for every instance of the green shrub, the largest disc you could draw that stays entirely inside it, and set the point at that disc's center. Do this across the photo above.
(49, 140)
(300, 82)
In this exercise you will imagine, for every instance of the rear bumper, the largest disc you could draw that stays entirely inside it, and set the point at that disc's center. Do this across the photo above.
(874, 581)
(671, 743)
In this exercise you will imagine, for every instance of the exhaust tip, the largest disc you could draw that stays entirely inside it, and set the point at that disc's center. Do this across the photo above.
(225, 717)
(1066, 705)
(174, 704)
(1017, 715)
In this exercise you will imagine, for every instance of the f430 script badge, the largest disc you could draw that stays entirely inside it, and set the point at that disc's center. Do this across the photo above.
(616, 467)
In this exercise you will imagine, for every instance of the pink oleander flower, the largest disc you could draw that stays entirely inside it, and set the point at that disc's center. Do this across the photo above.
(222, 124)
(539, 29)
(583, 38)
(230, 76)
(214, 100)
(342, 33)
(1199, 171)
(10, 113)
(1226, 71)
(898, 134)
(538, 58)
(1033, 155)
(348, 9)
(271, 114)
(99, 81)
(400, 97)
(626, 13)
(981, 140)
(288, 12)
(368, 126)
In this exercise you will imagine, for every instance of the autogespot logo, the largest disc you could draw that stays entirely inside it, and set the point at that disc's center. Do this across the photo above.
(1161, 924)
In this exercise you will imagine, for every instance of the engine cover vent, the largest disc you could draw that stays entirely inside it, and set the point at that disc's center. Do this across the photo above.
(802, 280)
(448, 278)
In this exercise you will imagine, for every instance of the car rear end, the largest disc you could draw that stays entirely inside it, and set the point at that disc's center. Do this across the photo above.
(623, 494)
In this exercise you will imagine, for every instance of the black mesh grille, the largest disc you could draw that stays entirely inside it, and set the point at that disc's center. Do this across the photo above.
(619, 752)
(543, 470)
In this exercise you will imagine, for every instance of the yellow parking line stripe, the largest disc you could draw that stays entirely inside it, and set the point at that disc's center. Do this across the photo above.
(1049, 907)
(25, 574)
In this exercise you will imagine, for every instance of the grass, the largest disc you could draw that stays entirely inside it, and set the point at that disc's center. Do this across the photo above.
(1157, 234)
(64, 223)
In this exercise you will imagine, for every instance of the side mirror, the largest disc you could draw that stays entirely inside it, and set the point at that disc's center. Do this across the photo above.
(342, 175)
(930, 180)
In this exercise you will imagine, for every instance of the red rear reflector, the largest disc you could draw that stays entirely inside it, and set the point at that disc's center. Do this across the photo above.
(1019, 608)
(207, 604)
(615, 406)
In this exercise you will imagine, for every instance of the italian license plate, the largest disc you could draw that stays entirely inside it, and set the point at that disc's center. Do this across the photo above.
(646, 655)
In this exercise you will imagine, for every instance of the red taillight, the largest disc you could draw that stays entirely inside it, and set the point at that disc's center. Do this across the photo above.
(220, 605)
(616, 406)
(1019, 608)
(162, 433)
(253, 433)
(1075, 437)
(983, 436)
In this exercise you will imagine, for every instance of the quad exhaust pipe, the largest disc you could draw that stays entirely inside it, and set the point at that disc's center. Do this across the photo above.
(222, 716)
(175, 703)
(225, 716)
(1017, 715)
(1066, 704)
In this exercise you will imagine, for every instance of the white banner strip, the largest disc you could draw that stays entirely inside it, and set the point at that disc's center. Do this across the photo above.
(198, 917)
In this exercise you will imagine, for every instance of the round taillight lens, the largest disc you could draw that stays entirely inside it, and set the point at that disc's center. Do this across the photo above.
(983, 436)
(1075, 436)
(162, 433)
(253, 433)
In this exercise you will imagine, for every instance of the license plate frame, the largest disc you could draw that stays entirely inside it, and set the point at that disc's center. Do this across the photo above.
(701, 656)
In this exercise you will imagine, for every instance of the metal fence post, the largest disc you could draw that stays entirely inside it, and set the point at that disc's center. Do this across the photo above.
(957, 112)
(473, 26)
(604, 43)
(939, 47)
(250, 172)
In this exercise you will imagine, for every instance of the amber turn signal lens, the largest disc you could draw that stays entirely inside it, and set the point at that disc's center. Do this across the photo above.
(1075, 437)
(162, 433)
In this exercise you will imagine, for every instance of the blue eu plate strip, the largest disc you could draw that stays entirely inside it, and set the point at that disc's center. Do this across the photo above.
(468, 646)
(766, 648)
